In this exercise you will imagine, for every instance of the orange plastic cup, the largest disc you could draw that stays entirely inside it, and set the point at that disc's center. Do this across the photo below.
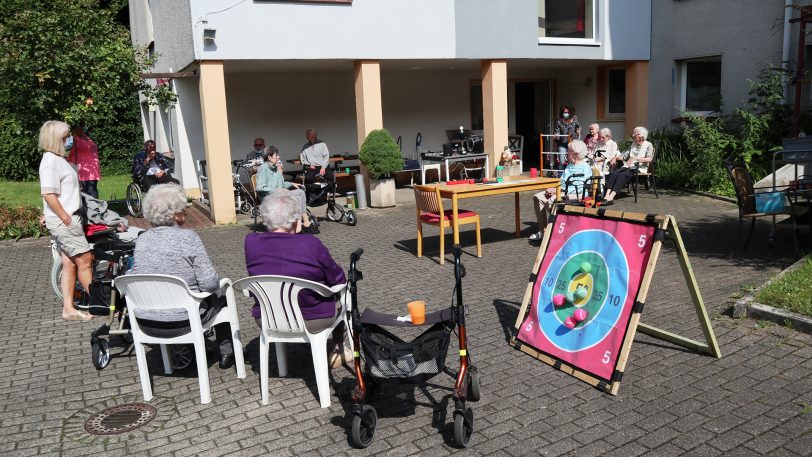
(417, 309)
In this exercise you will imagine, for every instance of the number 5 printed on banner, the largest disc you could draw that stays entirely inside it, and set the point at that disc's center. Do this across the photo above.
(606, 356)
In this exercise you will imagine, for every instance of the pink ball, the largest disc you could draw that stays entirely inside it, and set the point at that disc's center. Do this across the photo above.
(570, 323)
(559, 299)
(580, 314)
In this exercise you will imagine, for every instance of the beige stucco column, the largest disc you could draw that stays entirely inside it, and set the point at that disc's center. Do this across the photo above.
(368, 107)
(636, 96)
(215, 140)
(495, 108)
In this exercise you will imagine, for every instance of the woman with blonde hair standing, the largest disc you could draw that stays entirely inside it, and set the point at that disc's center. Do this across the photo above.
(62, 204)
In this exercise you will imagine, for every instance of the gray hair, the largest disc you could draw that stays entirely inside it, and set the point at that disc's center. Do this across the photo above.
(269, 151)
(280, 209)
(606, 132)
(162, 202)
(579, 147)
(642, 131)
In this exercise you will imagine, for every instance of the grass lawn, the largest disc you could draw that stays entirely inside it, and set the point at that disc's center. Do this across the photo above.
(14, 193)
(792, 292)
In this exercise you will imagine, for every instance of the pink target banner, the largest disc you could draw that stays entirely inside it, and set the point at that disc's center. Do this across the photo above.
(585, 290)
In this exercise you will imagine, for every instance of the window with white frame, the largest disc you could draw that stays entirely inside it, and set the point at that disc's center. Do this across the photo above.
(567, 21)
(700, 85)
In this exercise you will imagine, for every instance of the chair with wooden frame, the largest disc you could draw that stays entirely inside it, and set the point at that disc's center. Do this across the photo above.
(430, 211)
(746, 200)
(649, 176)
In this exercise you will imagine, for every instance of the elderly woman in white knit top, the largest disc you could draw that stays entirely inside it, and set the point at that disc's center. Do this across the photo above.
(635, 159)
(168, 249)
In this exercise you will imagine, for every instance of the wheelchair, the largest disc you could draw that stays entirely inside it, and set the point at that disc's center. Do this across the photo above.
(135, 195)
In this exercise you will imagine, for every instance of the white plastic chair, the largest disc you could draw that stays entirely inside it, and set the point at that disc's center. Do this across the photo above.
(151, 292)
(203, 181)
(282, 323)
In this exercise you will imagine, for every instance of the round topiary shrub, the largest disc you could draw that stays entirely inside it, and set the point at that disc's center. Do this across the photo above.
(380, 154)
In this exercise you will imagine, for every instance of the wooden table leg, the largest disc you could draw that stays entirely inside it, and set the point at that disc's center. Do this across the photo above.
(518, 218)
(455, 226)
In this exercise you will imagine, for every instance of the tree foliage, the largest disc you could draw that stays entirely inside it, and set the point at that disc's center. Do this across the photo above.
(67, 60)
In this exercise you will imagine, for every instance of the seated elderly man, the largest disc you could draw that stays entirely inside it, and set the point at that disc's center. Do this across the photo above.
(282, 251)
(150, 167)
(168, 249)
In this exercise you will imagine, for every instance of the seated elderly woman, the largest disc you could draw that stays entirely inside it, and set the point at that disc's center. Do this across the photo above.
(605, 151)
(168, 249)
(269, 178)
(635, 159)
(576, 173)
(281, 251)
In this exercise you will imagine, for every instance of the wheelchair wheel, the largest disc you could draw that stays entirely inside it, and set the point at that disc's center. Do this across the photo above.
(352, 219)
(363, 426)
(100, 354)
(56, 283)
(463, 427)
(334, 213)
(134, 199)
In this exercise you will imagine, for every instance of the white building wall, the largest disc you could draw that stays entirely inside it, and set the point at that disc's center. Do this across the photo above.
(400, 29)
(189, 145)
(281, 106)
(363, 29)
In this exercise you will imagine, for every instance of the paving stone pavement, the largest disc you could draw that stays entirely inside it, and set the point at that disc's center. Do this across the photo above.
(754, 400)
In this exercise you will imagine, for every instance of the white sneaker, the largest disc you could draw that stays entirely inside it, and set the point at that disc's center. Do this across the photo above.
(536, 236)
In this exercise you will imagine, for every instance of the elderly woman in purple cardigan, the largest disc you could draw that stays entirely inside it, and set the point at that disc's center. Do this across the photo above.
(284, 251)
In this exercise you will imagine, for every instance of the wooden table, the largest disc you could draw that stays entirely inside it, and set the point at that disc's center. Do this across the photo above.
(511, 184)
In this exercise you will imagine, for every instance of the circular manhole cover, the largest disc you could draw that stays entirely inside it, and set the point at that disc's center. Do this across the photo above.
(120, 419)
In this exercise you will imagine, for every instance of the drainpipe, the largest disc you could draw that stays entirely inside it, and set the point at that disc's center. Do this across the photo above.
(785, 49)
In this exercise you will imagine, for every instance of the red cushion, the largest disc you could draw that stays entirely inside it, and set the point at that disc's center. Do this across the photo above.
(434, 218)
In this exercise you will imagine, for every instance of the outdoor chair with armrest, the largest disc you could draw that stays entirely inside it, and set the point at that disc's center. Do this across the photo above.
(648, 177)
(155, 292)
(282, 323)
(746, 201)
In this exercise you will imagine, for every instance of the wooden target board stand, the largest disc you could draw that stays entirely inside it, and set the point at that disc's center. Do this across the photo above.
(590, 281)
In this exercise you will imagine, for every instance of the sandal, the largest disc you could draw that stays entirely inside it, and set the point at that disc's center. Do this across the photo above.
(77, 316)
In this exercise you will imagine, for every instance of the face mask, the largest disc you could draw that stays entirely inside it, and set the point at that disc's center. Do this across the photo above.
(68, 143)
(566, 115)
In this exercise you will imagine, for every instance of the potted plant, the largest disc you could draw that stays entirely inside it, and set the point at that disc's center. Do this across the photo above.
(380, 156)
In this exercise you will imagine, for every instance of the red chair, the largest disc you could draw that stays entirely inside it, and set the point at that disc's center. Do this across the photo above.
(429, 210)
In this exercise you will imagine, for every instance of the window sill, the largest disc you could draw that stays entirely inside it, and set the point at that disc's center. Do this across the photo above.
(588, 42)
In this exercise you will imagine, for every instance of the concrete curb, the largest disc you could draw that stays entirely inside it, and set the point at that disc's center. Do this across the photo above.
(748, 307)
